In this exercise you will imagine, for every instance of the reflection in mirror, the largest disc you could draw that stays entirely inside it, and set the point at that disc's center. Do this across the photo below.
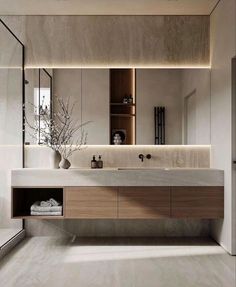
(38, 102)
(135, 106)
(185, 95)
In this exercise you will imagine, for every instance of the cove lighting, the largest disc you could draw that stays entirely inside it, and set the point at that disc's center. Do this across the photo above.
(120, 67)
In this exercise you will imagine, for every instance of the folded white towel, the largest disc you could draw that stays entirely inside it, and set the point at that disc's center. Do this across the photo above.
(50, 202)
(38, 208)
(44, 213)
(54, 202)
(45, 203)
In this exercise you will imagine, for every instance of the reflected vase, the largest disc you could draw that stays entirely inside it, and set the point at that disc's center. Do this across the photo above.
(64, 163)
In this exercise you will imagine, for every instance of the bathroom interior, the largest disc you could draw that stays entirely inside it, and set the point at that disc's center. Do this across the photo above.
(118, 143)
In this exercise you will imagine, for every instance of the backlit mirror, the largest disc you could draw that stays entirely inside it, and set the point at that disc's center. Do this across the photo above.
(128, 106)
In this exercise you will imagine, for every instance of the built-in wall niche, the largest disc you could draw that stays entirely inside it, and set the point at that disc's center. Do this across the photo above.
(24, 198)
(122, 107)
(125, 102)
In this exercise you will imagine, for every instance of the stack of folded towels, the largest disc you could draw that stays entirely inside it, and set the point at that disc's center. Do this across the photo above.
(49, 207)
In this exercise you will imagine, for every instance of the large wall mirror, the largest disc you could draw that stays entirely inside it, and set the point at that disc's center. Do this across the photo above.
(129, 106)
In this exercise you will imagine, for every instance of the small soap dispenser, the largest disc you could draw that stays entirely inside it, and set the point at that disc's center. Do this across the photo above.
(94, 162)
(100, 162)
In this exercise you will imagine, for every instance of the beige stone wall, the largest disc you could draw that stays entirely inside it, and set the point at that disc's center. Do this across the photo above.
(75, 41)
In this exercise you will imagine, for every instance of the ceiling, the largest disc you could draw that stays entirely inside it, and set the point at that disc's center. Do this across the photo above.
(107, 7)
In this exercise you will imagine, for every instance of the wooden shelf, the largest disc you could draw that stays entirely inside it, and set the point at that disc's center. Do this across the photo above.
(123, 115)
(122, 104)
(38, 217)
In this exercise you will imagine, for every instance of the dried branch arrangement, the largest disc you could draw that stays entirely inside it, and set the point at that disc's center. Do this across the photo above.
(60, 132)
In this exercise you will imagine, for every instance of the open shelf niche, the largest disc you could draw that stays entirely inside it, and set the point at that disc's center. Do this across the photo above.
(122, 115)
(24, 197)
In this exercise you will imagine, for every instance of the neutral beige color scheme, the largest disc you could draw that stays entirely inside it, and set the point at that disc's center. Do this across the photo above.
(90, 202)
(7, 233)
(60, 41)
(10, 244)
(144, 202)
(10, 108)
(154, 87)
(11, 50)
(133, 202)
(59, 262)
(197, 202)
(95, 105)
(107, 7)
(158, 87)
(163, 156)
(124, 156)
(197, 83)
(91, 100)
(32, 78)
(10, 121)
(67, 86)
(118, 227)
(115, 177)
(221, 113)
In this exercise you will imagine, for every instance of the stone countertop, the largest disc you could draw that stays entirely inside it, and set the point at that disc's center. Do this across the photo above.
(29, 177)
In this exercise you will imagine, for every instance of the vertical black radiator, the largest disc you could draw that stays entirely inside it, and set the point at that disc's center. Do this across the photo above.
(159, 116)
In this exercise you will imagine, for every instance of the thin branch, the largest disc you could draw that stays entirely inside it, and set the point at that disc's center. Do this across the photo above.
(58, 133)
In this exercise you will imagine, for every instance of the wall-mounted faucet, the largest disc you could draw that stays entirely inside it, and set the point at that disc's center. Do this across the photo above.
(141, 156)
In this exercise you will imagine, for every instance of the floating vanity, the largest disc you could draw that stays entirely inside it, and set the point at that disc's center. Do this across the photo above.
(121, 193)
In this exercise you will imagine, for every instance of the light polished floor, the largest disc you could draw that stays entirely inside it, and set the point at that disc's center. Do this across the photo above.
(57, 262)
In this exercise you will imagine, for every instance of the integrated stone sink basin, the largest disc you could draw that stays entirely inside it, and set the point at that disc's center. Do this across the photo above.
(120, 176)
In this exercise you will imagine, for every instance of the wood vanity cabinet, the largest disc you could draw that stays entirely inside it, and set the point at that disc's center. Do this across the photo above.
(124, 202)
(91, 202)
(143, 202)
(197, 202)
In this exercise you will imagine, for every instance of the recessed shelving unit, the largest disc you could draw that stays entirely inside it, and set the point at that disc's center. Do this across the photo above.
(121, 104)
(24, 197)
(122, 115)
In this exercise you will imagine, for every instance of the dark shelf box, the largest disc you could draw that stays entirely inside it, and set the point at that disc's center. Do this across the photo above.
(23, 198)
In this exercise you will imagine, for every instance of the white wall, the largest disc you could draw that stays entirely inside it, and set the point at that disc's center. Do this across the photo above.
(197, 83)
(223, 48)
(158, 87)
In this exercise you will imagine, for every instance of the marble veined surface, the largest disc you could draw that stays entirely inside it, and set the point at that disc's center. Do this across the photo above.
(180, 156)
(118, 41)
(118, 177)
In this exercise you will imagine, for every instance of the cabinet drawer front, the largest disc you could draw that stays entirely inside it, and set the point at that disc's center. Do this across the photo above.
(91, 202)
(197, 202)
(144, 202)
